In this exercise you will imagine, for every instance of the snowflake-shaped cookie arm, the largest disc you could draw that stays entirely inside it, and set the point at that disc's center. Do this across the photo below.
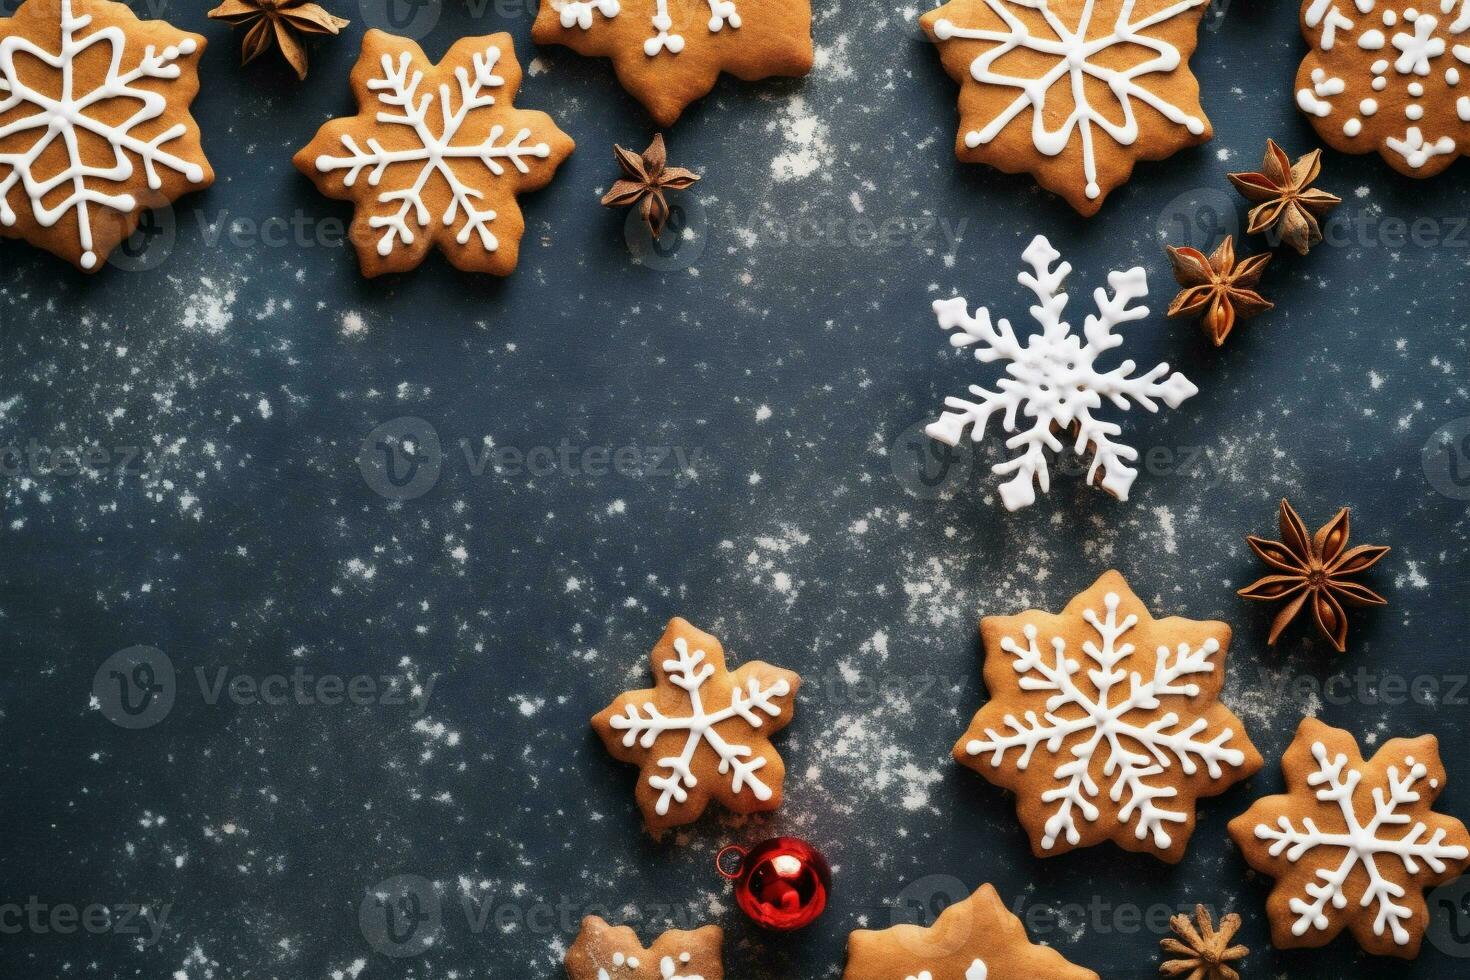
(436, 154)
(1102, 726)
(85, 151)
(1353, 843)
(978, 938)
(669, 53)
(1053, 381)
(702, 733)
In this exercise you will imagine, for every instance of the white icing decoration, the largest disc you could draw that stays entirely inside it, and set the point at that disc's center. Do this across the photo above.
(977, 971)
(1421, 38)
(1415, 151)
(69, 117)
(689, 672)
(398, 90)
(666, 968)
(1361, 843)
(1053, 379)
(579, 13)
(1075, 50)
(1418, 47)
(1106, 718)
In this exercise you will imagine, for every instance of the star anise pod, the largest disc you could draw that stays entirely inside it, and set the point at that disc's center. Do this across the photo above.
(277, 20)
(1217, 286)
(1285, 199)
(648, 176)
(1205, 952)
(1316, 570)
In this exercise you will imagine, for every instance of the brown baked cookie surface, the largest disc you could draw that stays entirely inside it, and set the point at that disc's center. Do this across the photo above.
(95, 126)
(1106, 722)
(1074, 92)
(604, 952)
(702, 732)
(1353, 843)
(1391, 76)
(977, 939)
(435, 155)
(668, 53)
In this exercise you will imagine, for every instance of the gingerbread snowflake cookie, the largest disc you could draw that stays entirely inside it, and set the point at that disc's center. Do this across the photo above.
(1391, 76)
(702, 732)
(1353, 842)
(604, 952)
(1074, 92)
(436, 155)
(668, 53)
(1053, 384)
(977, 939)
(94, 124)
(1105, 722)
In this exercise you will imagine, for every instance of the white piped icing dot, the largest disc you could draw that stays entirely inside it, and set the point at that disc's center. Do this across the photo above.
(1414, 112)
(1379, 67)
(1390, 18)
(619, 959)
(1416, 89)
(1379, 84)
(1371, 40)
(1352, 127)
(1368, 106)
(944, 29)
(1452, 75)
(1462, 108)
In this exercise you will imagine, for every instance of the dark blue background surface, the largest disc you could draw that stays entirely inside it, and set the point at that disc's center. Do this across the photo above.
(789, 370)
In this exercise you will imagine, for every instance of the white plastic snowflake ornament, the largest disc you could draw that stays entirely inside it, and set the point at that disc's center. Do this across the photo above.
(703, 732)
(1053, 380)
(436, 155)
(1353, 843)
(94, 124)
(1391, 76)
(1106, 723)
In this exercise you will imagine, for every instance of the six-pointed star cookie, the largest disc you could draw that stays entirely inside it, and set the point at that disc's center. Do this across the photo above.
(702, 732)
(976, 939)
(1105, 722)
(436, 155)
(1353, 843)
(604, 952)
(668, 53)
(1391, 76)
(94, 124)
(1072, 91)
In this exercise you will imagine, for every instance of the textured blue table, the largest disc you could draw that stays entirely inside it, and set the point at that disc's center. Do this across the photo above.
(769, 372)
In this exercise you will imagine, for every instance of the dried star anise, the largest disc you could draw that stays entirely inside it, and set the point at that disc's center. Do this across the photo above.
(1217, 286)
(1285, 200)
(648, 177)
(1316, 570)
(1205, 951)
(277, 20)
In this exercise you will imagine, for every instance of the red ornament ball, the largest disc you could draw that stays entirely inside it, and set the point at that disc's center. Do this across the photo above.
(781, 883)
